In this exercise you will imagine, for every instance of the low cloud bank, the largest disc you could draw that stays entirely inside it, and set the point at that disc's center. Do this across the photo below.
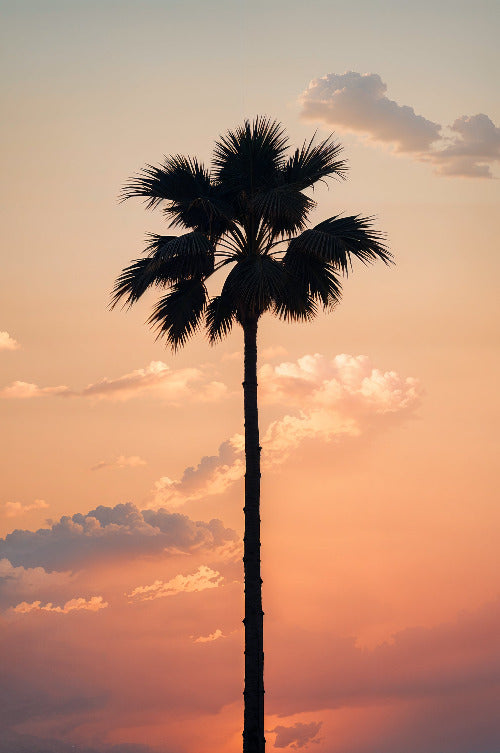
(358, 103)
(79, 540)
(157, 379)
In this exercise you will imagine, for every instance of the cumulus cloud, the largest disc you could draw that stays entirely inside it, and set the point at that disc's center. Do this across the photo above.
(75, 541)
(343, 381)
(470, 149)
(358, 103)
(7, 342)
(13, 509)
(335, 398)
(203, 578)
(209, 638)
(132, 461)
(94, 604)
(157, 379)
(297, 736)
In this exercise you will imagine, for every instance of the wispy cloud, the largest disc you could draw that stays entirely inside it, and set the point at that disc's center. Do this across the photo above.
(26, 390)
(14, 509)
(358, 103)
(157, 379)
(94, 604)
(210, 638)
(132, 461)
(7, 342)
(203, 578)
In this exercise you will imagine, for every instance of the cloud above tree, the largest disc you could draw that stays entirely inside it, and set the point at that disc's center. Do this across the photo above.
(358, 103)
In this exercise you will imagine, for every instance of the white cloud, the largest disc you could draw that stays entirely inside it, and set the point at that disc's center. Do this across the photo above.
(13, 509)
(357, 103)
(203, 578)
(209, 638)
(132, 461)
(94, 604)
(7, 342)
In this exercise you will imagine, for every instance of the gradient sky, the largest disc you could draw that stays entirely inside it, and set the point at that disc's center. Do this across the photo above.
(121, 466)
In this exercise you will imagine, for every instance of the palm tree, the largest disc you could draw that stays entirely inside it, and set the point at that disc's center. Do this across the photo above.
(248, 215)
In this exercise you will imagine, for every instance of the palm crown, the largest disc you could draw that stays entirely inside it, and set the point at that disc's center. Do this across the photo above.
(248, 213)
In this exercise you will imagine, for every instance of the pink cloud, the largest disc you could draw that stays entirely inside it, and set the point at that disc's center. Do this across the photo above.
(7, 342)
(132, 461)
(14, 509)
(210, 638)
(299, 735)
(203, 578)
(358, 103)
(336, 398)
(94, 604)
(157, 379)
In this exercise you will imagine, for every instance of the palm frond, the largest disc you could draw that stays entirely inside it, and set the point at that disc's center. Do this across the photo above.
(339, 239)
(178, 314)
(255, 281)
(189, 255)
(133, 282)
(248, 158)
(191, 198)
(311, 276)
(312, 162)
(220, 316)
(283, 209)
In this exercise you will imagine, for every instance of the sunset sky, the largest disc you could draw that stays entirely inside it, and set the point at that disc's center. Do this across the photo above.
(121, 494)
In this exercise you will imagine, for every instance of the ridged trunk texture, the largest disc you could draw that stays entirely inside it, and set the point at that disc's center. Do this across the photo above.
(253, 728)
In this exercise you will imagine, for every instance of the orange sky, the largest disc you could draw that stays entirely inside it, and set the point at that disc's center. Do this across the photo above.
(121, 496)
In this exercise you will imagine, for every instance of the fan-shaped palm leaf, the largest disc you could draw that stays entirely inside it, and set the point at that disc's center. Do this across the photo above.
(313, 162)
(178, 314)
(246, 159)
(338, 239)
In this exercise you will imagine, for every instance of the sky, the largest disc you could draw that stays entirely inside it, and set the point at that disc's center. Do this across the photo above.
(121, 493)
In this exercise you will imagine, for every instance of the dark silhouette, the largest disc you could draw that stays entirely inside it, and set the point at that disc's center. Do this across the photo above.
(247, 214)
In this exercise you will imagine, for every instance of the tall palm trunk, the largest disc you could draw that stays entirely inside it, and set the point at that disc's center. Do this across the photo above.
(253, 728)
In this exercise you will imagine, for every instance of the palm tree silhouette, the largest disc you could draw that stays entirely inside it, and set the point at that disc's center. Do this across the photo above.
(247, 214)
